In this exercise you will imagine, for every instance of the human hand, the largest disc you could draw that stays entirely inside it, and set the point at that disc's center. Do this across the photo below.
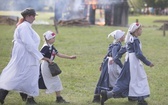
(111, 61)
(73, 57)
(151, 65)
(50, 61)
(100, 68)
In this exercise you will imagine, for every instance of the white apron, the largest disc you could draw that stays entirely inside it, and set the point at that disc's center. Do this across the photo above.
(53, 84)
(113, 71)
(138, 79)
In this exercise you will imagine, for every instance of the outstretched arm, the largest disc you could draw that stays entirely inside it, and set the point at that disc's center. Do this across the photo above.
(140, 55)
(66, 56)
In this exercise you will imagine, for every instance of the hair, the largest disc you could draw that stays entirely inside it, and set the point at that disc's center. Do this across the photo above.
(24, 13)
(21, 20)
(28, 12)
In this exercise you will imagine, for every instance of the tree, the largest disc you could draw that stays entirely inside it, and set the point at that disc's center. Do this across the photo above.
(157, 3)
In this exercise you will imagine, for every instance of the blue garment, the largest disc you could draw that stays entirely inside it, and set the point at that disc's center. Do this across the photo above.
(113, 50)
(121, 88)
(134, 47)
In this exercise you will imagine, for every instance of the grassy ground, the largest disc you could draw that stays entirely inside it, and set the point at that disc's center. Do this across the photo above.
(90, 43)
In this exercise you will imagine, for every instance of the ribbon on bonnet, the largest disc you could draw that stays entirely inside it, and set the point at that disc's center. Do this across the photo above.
(49, 35)
(132, 28)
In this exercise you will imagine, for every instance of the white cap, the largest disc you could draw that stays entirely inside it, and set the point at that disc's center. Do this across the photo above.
(133, 27)
(49, 35)
(117, 34)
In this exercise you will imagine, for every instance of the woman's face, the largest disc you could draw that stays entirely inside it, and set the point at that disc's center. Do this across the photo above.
(30, 18)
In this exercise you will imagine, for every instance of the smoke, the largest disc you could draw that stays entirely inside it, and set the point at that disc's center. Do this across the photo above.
(109, 1)
(69, 9)
(77, 9)
(18, 5)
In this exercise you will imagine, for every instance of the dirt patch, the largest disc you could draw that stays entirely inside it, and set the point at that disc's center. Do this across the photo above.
(11, 20)
(164, 26)
(160, 21)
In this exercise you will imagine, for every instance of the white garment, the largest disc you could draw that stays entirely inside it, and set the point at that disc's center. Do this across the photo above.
(22, 72)
(138, 83)
(53, 84)
(113, 71)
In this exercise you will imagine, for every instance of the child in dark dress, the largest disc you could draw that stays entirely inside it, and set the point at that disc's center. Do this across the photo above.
(111, 67)
(51, 84)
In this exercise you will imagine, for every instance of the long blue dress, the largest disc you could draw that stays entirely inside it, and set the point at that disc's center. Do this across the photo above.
(113, 50)
(132, 74)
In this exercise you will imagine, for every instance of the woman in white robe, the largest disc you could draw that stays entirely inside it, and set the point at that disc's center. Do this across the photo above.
(22, 72)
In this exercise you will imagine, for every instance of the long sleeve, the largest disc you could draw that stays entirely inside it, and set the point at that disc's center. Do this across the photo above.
(139, 53)
(30, 40)
(119, 55)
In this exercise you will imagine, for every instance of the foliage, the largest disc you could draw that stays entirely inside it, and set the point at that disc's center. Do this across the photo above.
(150, 3)
(157, 3)
(136, 3)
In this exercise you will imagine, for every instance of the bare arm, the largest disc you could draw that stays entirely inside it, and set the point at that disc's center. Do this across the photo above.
(66, 56)
(47, 59)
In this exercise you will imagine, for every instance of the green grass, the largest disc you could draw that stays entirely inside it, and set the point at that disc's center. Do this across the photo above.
(90, 44)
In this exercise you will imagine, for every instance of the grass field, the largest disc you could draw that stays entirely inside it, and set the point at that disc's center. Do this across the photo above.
(90, 44)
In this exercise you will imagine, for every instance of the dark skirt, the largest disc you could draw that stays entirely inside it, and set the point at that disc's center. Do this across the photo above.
(103, 82)
(121, 88)
(41, 81)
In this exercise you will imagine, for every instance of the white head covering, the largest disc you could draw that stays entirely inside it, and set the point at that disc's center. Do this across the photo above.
(49, 35)
(131, 29)
(117, 34)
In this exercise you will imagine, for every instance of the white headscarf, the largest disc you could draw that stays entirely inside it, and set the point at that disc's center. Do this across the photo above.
(131, 29)
(49, 35)
(117, 34)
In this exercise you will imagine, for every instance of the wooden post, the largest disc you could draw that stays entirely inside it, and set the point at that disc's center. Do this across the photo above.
(164, 30)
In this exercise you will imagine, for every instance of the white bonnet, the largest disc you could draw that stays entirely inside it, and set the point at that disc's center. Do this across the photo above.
(49, 35)
(133, 27)
(117, 34)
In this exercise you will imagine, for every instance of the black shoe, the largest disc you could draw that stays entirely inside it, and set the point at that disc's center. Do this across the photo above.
(61, 100)
(132, 99)
(104, 96)
(142, 102)
(2, 102)
(30, 101)
(3, 94)
(96, 98)
(24, 96)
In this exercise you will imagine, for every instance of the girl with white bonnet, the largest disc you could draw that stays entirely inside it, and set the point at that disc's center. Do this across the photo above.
(111, 66)
(51, 84)
(132, 81)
